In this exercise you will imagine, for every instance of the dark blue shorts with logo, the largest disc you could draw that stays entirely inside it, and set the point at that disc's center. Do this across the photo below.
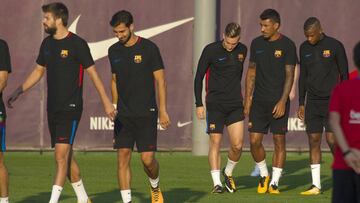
(63, 126)
(139, 130)
(219, 115)
(261, 118)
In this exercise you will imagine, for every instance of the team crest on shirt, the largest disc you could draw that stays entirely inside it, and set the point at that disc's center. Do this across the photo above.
(212, 126)
(64, 53)
(278, 53)
(326, 53)
(241, 57)
(137, 58)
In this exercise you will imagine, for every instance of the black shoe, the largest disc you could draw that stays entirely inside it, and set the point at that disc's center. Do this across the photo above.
(229, 182)
(217, 189)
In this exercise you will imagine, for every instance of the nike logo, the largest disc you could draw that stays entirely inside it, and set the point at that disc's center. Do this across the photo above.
(100, 49)
(221, 59)
(180, 125)
(116, 60)
(259, 51)
(308, 55)
(62, 138)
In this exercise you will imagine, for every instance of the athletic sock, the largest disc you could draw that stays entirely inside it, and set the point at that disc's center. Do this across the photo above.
(126, 195)
(276, 174)
(80, 191)
(215, 174)
(55, 194)
(4, 199)
(230, 167)
(263, 168)
(154, 182)
(315, 174)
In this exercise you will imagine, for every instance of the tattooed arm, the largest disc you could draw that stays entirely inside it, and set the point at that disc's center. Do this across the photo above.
(249, 86)
(279, 109)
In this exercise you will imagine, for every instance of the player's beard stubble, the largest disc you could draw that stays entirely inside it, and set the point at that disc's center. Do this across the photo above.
(125, 39)
(50, 30)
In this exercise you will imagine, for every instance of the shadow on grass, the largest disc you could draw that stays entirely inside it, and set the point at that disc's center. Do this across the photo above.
(178, 195)
(291, 178)
(175, 195)
(41, 197)
(115, 196)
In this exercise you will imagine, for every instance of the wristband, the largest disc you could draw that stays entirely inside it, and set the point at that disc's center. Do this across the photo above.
(346, 152)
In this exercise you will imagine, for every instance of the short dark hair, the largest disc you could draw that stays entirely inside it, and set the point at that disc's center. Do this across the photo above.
(310, 22)
(59, 10)
(232, 30)
(122, 16)
(356, 55)
(271, 14)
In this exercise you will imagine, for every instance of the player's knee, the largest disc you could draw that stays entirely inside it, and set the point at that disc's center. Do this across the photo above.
(61, 160)
(215, 141)
(123, 162)
(279, 146)
(2, 164)
(124, 155)
(147, 160)
(330, 141)
(315, 144)
(255, 143)
(215, 144)
(1, 159)
(237, 147)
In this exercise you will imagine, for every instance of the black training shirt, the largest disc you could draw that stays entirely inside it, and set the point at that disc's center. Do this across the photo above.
(223, 70)
(5, 65)
(65, 60)
(322, 66)
(135, 83)
(270, 58)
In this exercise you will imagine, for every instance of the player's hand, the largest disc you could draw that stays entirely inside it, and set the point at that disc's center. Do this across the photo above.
(164, 119)
(200, 112)
(247, 106)
(353, 160)
(13, 96)
(110, 111)
(279, 109)
(301, 112)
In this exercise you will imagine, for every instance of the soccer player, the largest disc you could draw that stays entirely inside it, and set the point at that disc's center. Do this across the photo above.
(137, 68)
(222, 62)
(344, 120)
(256, 171)
(64, 56)
(5, 69)
(268, 83)
(323, 64)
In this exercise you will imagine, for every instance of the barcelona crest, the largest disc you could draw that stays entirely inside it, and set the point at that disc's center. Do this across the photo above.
(137, 58)
(278, 53)
(64, 53)
(241, 57)
(326, 53)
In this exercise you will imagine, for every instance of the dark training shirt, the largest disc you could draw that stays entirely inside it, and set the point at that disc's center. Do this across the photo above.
(322, 66)
(134, 67)
(65, 60)
(5, 65)
(270, 58)
(223, 70)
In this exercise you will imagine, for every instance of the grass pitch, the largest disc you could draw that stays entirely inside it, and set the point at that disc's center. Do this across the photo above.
(183, 178)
